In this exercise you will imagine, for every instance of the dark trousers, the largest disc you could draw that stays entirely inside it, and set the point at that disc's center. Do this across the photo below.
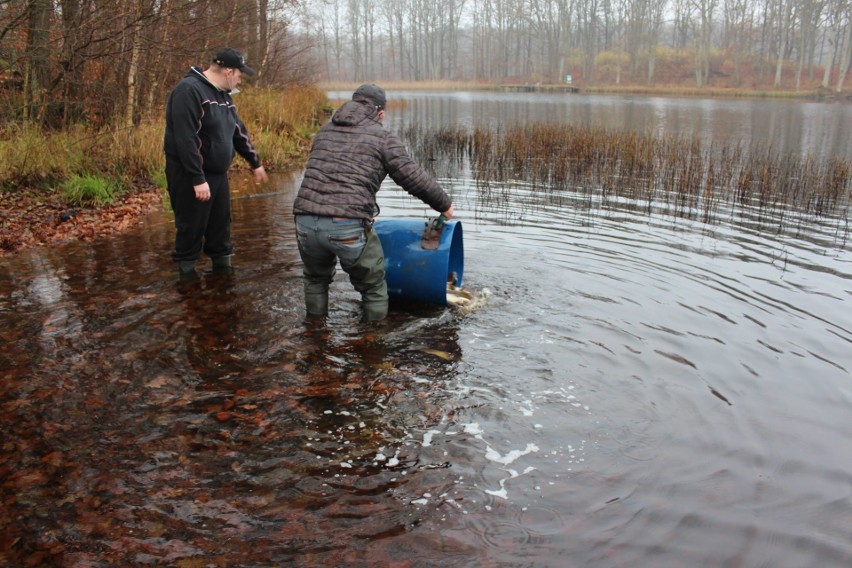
(200, 225)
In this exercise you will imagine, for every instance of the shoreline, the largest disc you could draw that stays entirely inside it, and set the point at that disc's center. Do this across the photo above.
(810, 94)
(32, 219)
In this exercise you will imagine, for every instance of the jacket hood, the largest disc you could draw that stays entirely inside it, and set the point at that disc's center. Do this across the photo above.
(198, 74)
(354, 112)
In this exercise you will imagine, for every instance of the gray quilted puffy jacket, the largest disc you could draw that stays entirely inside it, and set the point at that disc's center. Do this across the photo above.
(350, 157)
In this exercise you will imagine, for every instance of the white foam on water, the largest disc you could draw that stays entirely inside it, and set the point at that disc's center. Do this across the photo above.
(502, 492)
(512, 456)
(495, 456)
(427, 437)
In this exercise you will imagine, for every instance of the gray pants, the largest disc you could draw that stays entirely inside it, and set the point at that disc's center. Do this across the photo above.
(325, 240)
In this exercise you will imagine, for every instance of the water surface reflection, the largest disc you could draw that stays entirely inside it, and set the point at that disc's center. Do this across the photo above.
(797, 127)
(148, 419)
(637, 390)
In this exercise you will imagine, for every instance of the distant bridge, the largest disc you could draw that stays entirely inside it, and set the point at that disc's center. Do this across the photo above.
(538, 88)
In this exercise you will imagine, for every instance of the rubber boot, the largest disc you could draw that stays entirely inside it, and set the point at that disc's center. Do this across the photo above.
(368, 277)
(222, 264)
(186, 268)
(316, 304)
(374, 313)
(374, 303)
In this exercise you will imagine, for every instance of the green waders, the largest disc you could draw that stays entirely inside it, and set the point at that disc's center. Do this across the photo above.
(367, 275)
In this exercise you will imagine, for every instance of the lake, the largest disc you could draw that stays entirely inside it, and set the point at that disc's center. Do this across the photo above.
(635, 389)
(818, 128)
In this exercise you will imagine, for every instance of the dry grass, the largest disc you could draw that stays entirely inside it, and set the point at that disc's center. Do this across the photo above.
(281, 123)
(293, 110)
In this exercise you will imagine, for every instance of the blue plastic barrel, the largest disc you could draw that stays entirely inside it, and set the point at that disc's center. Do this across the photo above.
(416, 273)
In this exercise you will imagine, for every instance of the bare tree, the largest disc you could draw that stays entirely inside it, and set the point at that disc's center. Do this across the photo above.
(656, 14)
(738, 16)
(846, 49)
(38, 53)
(839, 28)
(784, 32)
(135, 33)
(550, 20)
(703, 29)
(588, 21)
(810, 16)
(112, 60)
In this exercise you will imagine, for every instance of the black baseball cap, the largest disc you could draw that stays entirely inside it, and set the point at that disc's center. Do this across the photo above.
(232, 59)
(372, 94)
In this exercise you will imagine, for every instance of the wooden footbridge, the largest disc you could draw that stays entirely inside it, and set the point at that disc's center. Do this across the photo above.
(538, 88)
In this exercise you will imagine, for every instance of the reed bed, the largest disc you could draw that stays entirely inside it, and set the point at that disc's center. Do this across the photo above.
(673, 173)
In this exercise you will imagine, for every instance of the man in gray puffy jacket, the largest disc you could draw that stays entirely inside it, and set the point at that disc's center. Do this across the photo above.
(336, 203)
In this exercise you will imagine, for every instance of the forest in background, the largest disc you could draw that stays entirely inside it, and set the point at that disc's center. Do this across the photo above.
(750, 44)
(83, 83)
(83, 86)
(101, 62)
(63, 62)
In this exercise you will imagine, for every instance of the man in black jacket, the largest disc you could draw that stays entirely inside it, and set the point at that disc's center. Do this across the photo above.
(203, 132)
(336, 203)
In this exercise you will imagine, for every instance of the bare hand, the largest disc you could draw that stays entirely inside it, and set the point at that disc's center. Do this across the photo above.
(448, 214)
(202, 192)
(260, 175)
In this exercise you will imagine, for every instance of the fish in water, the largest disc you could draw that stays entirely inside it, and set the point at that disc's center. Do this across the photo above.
(464, 299)
(438, 353)
(458, 297)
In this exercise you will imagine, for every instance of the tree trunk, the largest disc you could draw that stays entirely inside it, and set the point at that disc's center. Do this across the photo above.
(782, 47)
(135, 31)
(37, 78)
(262, 53)
(71, 63)
(652, 60)
(826, 76)
(845, 59)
